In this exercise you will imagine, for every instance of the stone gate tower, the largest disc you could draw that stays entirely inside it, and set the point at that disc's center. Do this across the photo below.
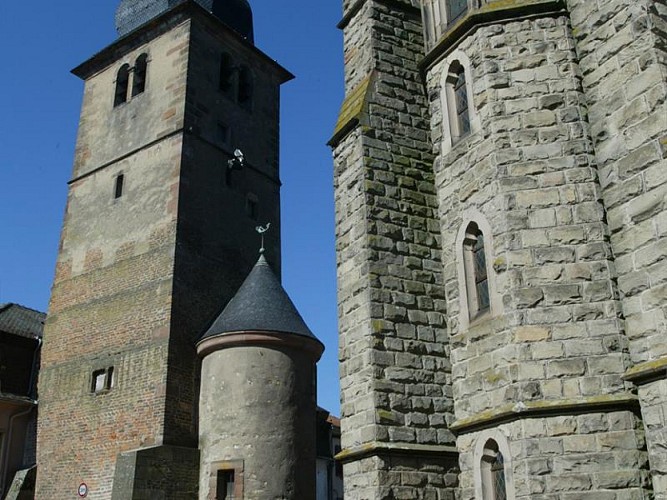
(158, 233)
(502, 255)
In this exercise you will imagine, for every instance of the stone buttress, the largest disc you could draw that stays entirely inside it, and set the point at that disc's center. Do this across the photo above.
(623, 63)
(539, 374)
(394, 352)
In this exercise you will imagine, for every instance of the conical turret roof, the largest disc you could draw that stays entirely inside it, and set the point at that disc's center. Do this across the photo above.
(260, 305)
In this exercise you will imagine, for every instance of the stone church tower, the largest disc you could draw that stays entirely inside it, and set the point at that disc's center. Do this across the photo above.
(158, 235)
(502, 249)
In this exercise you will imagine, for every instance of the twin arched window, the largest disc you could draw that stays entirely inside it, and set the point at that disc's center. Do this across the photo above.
(226, 72)
(492, 468)
(457, 101)
(236, 82)
(122, 85)
(476, 276)
(245, 90)
(138, 74)
(140, 69)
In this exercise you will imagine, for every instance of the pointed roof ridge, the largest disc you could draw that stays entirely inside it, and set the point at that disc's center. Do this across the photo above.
(261, 304)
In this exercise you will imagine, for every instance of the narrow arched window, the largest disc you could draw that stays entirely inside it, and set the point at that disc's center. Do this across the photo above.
(226, 72)
(457, 101)
(140, 70)
(494, 484)
(118, 186)
(245, 89)
(122, 84)
(456, 9)
(476, 276)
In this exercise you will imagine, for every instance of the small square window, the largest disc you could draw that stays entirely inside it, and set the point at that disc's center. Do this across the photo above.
(225, 482)
(102, 380)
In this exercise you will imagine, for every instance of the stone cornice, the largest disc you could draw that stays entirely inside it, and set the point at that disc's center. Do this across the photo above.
(495, 12)
(648, 371)
(356, 7)
(535, 409)
(269, 340)
(380, 448)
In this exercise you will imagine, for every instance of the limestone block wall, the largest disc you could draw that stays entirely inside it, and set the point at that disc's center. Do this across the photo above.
(553, 340)
(393, 345)
(555, 331)
(591, 456)
(621, 45)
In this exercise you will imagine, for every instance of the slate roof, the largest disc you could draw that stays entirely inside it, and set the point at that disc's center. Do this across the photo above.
(260, 305)
(22, 321)
(237, 14)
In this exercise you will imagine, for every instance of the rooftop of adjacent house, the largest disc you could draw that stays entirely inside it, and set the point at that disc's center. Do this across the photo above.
(260, 305)
(22, 321)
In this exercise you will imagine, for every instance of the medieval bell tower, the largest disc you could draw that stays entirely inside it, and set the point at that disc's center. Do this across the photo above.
(158, 233)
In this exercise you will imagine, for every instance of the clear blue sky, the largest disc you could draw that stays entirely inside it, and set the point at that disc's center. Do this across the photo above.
(39, 111)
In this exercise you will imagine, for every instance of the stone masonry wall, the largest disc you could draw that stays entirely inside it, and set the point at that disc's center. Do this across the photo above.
(554, 337)
(593, 456)
(111, 298)
(621, 44)
(394, 360)
(530, 172)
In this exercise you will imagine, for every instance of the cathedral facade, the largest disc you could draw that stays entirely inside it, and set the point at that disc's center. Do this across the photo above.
(502, 249)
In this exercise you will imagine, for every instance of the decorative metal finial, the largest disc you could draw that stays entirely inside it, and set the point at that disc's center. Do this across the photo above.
(261, 230)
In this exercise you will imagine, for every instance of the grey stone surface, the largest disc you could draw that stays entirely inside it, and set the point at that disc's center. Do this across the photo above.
(565, 167)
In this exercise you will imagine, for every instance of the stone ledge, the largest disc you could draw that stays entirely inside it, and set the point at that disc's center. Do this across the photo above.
(498, 11)
(534, 409)
(648, 371)
(356, 7)
(380, 448)
(354, 109)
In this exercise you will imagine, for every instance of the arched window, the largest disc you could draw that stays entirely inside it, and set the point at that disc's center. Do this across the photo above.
(118, 186)
(226, 72)
(122, 84)
(245, 89)
(476, 276)
(456, 9)
(492, 467)
(139, 80)
(457, 97)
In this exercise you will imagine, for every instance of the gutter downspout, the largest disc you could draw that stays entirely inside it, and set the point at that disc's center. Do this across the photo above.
(35, 370)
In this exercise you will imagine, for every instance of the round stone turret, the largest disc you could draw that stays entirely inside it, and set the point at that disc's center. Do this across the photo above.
(236, 14)
(257, 404)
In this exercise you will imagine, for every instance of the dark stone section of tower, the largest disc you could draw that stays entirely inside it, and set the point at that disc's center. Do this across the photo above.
(236, 14)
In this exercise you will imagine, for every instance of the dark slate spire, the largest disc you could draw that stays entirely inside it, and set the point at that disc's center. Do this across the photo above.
(236, 14)
(260, 305)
